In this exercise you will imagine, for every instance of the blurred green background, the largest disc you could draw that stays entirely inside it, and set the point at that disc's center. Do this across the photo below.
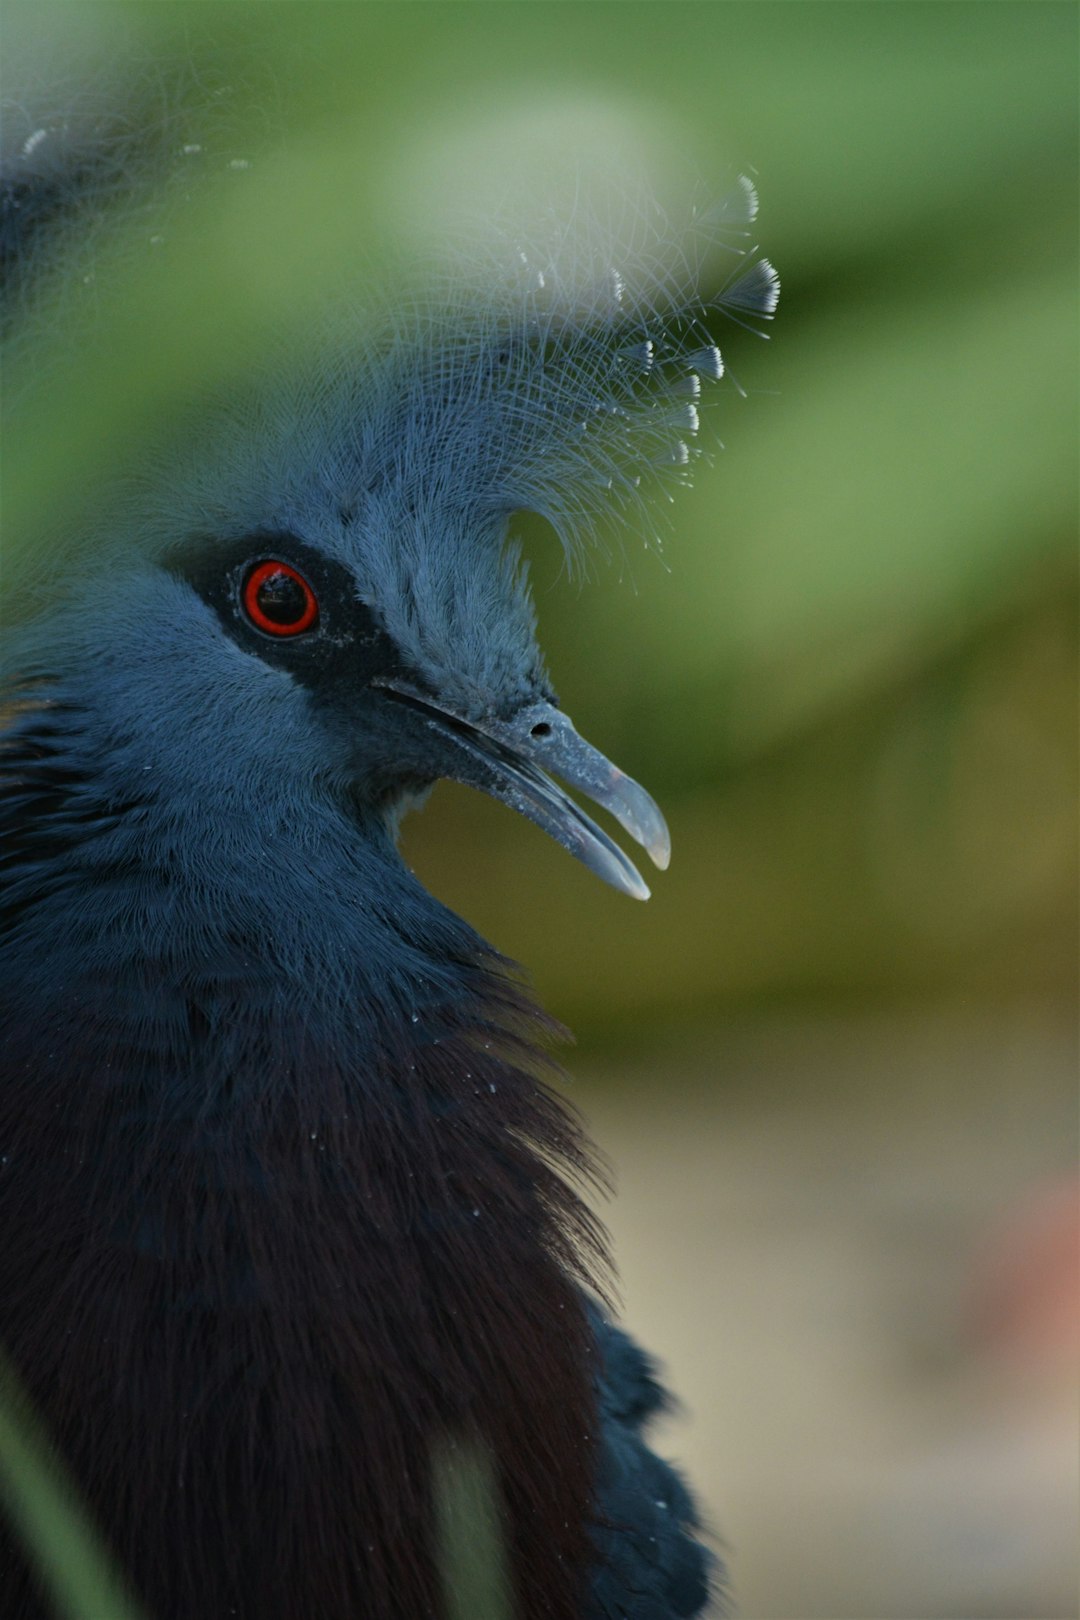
(834, 1058)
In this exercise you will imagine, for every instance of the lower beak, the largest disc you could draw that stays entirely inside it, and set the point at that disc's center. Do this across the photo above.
(513, 761)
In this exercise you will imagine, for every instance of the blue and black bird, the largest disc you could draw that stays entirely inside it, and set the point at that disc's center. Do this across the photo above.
(289, 1208)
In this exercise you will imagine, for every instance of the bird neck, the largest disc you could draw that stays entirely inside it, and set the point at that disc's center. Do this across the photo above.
(204, 938)
(239, 994)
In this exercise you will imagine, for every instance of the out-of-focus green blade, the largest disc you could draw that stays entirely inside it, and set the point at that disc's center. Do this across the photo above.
(73, 1565)
(469, 1532)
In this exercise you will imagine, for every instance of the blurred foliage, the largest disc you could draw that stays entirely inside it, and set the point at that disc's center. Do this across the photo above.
(854, 690)
(470, 1539)
(76, 1571)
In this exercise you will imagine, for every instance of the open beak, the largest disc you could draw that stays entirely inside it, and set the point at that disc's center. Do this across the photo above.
(513, 761)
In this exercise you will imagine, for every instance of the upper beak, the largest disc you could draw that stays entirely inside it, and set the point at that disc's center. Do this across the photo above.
(511, 760)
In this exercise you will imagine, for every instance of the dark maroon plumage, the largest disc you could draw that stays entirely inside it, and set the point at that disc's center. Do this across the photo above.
(250, 1328)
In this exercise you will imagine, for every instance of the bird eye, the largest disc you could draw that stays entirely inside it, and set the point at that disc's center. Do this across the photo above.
(278, 600)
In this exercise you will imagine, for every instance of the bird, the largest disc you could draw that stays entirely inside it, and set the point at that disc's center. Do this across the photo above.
(295, 1219)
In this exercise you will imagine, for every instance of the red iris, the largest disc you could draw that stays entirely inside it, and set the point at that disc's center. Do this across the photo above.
(278, 600)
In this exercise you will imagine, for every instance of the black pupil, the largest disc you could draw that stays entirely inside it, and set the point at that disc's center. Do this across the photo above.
(282, 598)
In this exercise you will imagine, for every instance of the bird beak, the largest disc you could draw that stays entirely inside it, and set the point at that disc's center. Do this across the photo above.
(512, 760)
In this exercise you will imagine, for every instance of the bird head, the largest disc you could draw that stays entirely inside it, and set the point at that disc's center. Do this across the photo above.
(323, 599)
(394, 631)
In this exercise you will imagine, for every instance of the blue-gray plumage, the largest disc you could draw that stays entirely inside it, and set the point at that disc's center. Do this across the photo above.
(287, 1201)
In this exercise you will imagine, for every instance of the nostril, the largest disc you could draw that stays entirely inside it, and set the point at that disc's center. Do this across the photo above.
(542, 728)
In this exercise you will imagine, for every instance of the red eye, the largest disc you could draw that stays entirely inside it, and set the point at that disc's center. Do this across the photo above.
(278, 600)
